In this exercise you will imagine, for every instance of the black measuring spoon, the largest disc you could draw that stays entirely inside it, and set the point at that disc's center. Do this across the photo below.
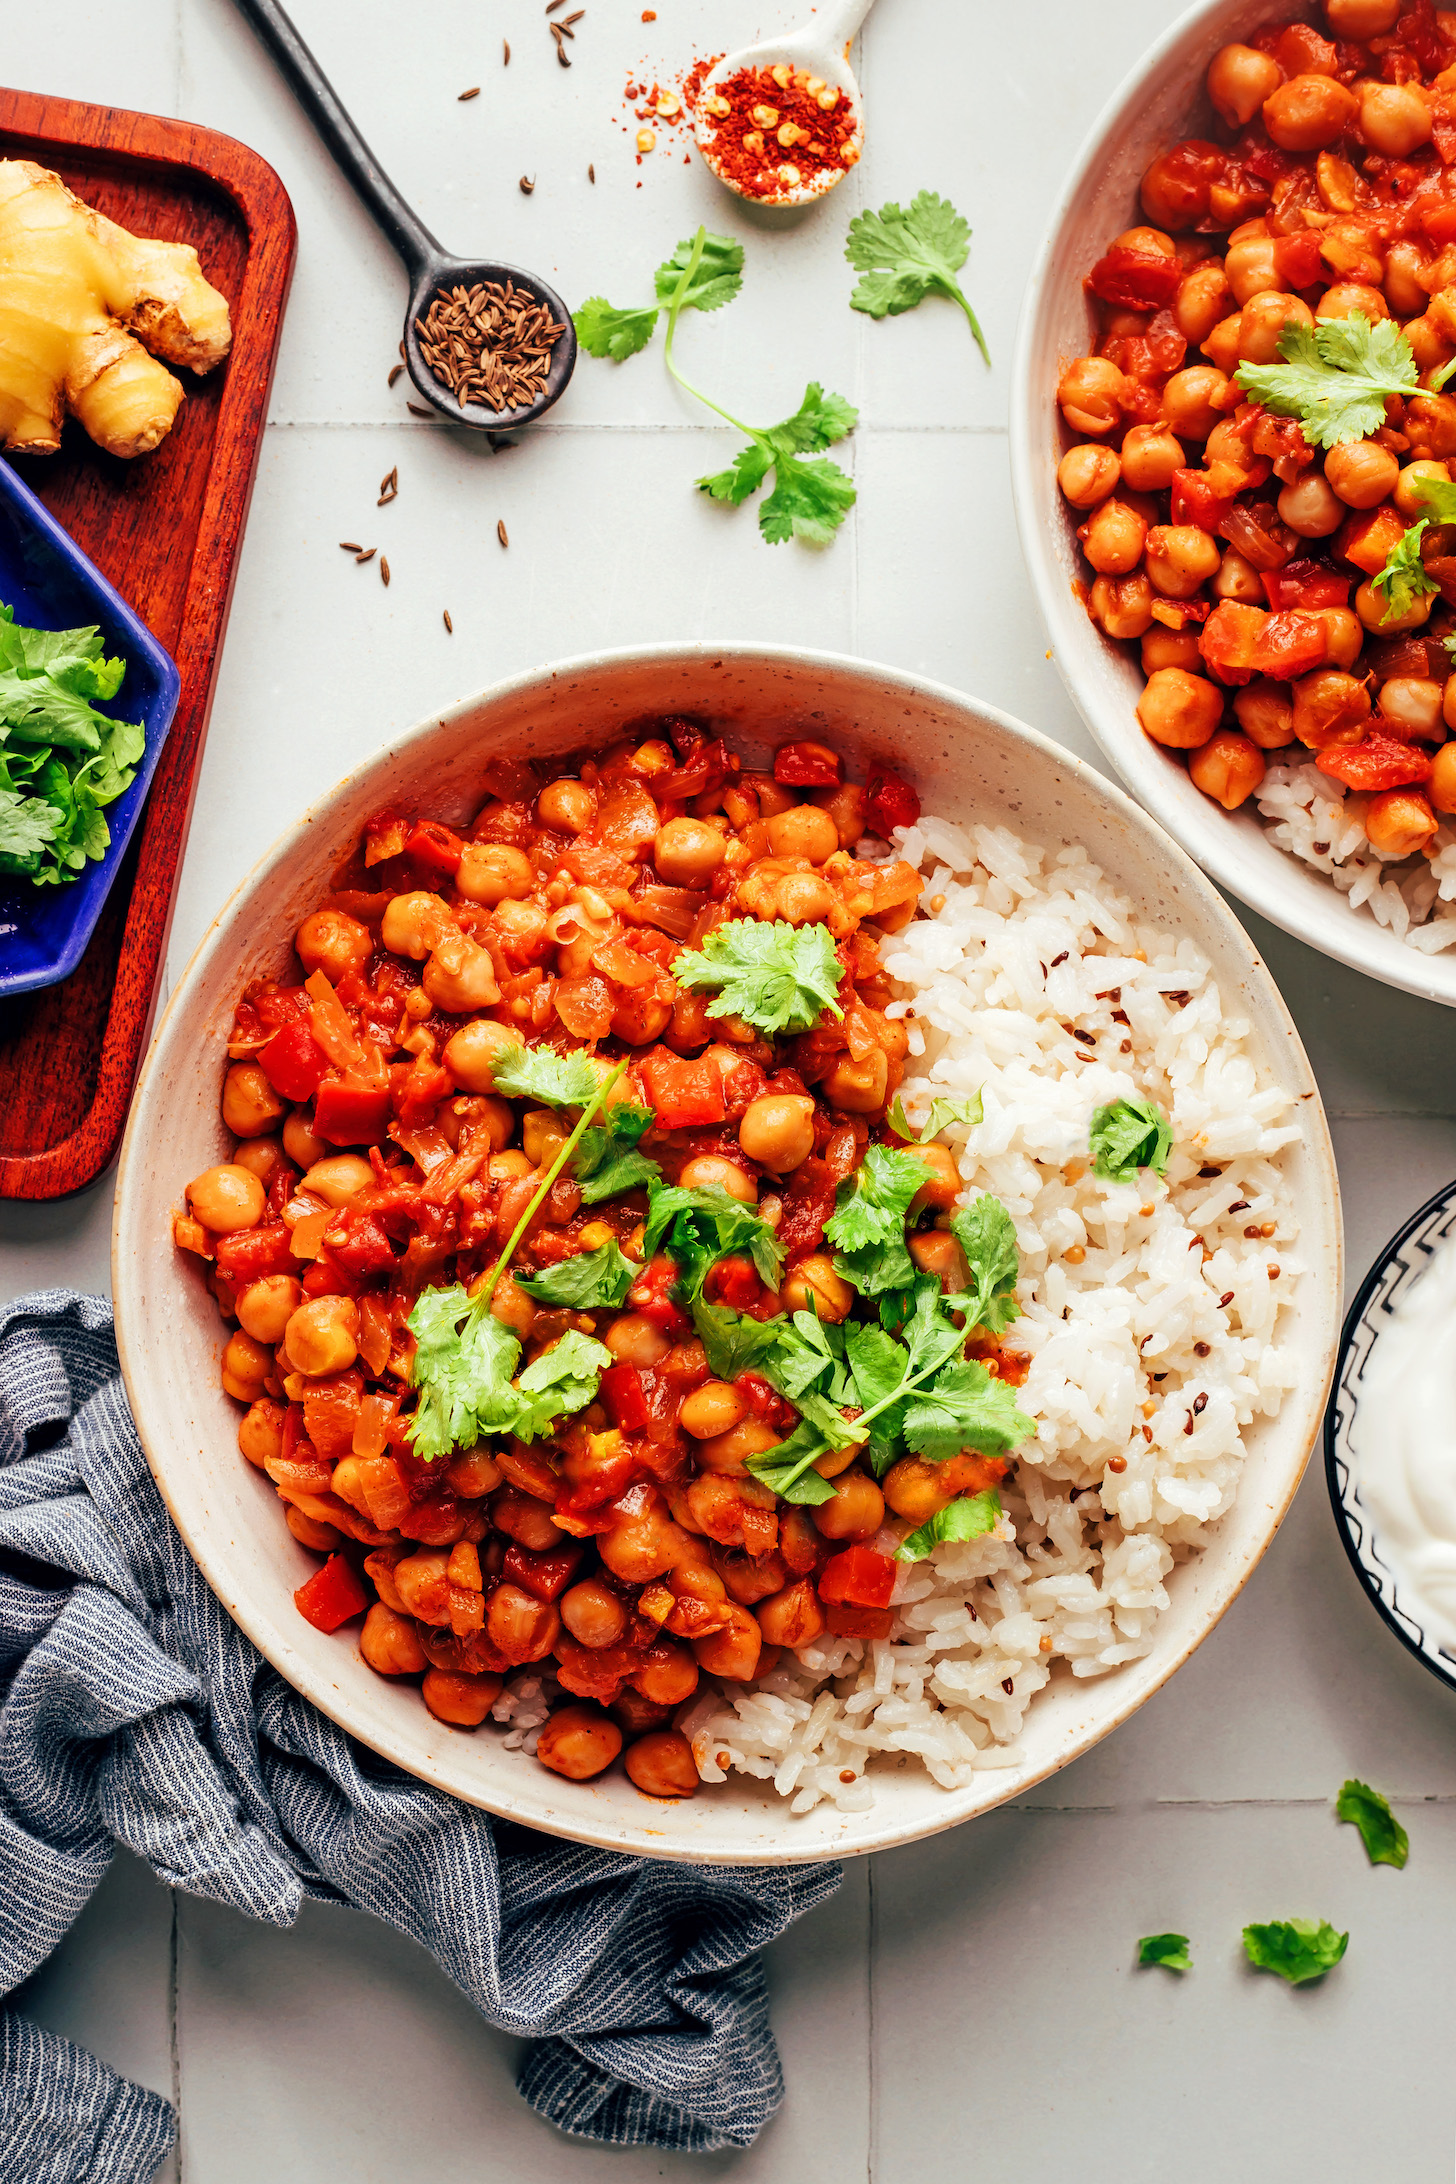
(430, 268)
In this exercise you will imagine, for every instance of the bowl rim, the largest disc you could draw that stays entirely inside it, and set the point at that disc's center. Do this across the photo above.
(1440, 1201)
(1348, 936)
(886, 1832)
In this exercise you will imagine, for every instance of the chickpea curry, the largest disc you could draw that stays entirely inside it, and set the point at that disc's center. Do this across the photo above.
(596, 1305)
(1260, 429)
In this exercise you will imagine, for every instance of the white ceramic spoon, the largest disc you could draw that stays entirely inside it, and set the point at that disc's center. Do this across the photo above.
(820, 49)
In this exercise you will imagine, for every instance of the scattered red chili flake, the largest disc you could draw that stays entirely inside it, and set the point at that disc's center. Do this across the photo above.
(779, 130)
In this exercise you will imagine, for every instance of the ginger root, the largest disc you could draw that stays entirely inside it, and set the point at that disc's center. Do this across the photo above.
(82, 302)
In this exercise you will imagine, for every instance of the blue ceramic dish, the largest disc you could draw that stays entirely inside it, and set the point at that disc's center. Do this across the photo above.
(1403, 1261)
(49, 584)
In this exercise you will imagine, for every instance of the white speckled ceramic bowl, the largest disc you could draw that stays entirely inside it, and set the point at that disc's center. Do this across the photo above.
(1161, 101)
(969, 762)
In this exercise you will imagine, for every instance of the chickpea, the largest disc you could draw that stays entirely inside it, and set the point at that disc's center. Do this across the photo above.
(1091, 392)
(260, 1433)
(661, 1764)
(246, 1365)
(568, 807)
(1311, 506)
(492, 873)
(471, 1055)
(1399, 822)
(1113, 540)
(1394, 118)
(542, 1136)
(727, 1453)
(1376, 612)
(803, 832)
(643, 1546)
(732, 1653)
(579, 1742)
(331, 942)
(687, 852)
(1149, 239)
(1345, 638)
(1265, 712)
(710, 1172)
(935, 1251)
(1240, 78)
(1431, 346)
(520, 1626)
(338, 1178)
(266, 1306)
(1263, 320)
(1308, 112)
(390, 1643)
(1192, 401)
(714, 1409)
(299, 1142)
(1181, 558)
(1430, 419)
(322, 1337)
(1250, 264)
(1441, 788)
(319, 1538)
(249, 1103)
(846, 807)
(669, 1678)
(1362, 473)
(1238, 579)
(813, 1286)
(1358, 20)
(414, 925)
(1171, 648)
(1330, 707)
(1179, 710)
(1412, 703)
(460, 976)
(1122, 606)
(461, 1700)
(1409, 485)
(260, 1156)
(226, 1199)
(942, 1185)
(1087, 474)
(633, 1340)
(593, 1613)
(792, 1617)
(915, 1489)
(1405, 291)
(778, 1131)
(1229, 767)
(1222, 345)
(1203, 298)
(1349, 299)
(525, 1519)
(859, 1088)
(804, 899)
(1150, 455)
(856, 1512)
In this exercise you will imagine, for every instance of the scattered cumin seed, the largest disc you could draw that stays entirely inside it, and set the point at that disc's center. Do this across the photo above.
(1225, 1300)
(500, 532)
(528, 184)
(368, 554)
(505, 53)
(415, 410)
(351, 546)
(560, 30)
(388, 488)
(567, 20)
(472, 93)
(401, 352)
(383, 569)
(591, 173)
(449, 625)
(394, 372)
(553, 5)
(562, 55)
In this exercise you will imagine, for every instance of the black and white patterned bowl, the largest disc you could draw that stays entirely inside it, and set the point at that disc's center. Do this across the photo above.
(1401, 1264)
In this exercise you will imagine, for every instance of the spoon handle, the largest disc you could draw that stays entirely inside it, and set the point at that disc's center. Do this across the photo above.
(837, 23)
(319, 100)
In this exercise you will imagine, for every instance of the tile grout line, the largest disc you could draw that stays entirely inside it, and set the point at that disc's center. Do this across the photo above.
(567, 429)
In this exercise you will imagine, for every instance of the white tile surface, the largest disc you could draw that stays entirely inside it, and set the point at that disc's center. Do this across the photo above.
(966, 2006)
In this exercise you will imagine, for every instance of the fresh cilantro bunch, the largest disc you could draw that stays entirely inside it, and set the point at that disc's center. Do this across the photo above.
(61, 761)
(868, 1222)
(590, 1280)
(607, 1161)
(942, 1114)
(907, 256)
(1169, 1950)
(1337, 376)
(1404, 579)
(1385, 1840)
(1297, 1949)
(1127, 1135)
(811, 496)
(777, 977)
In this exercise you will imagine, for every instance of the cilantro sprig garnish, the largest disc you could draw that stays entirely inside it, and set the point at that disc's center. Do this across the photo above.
(777, 977)
(868, 1222)
(1337, 376)
(61, 761)
(1127, 1135)
(1169, 1950)
(986, 1234)
(811, 496)
(607, 1161)
(1404, 578)
(585, 1283)
(699, 1227)
(1297, 1949)
(465, 1357)
(907, 256)
(943, 1113)
(540, 1073)
(970, 1516)
(1385, 1840)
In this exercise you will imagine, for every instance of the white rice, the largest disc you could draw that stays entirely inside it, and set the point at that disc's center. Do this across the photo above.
(1321, 822)
(1121, 1341)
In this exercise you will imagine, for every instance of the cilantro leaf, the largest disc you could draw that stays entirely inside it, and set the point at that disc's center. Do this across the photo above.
(1404, 580)
(588, 1280)
(1336, 377)
(1169, 1950)
(63, 761)
(1385, 1840)
(1128, 1135)
(868, 1222)
(789, 1467)
(777, 977)
(732, 1342)
(877, 1364)
(817, 423)
(907, 256)
(1297, 1949)
(1437, 494)
(607, 1161)
(804, 1350)
(744, 475)
(27, 826)
(971, 1516)
(604, 331)
(540, 1073)
(965, 1407)
(809, 501)
(708, 1225)
(562, 1380)
(986, 1234)
(942, 1114)
(716, 277)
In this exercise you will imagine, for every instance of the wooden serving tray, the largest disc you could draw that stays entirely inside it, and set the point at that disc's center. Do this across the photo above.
(165, 530)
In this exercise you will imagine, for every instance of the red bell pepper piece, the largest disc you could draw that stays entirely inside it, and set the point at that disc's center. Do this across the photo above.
(1136, 280)
(325, 1278)
(624, 1392)
(682, 1094)
(859, 1577)
(807, 766)
(845, 1621)
(1194, 500)
(651, 1295)
(889, 802)
(1297, 259)
(363, 1249)
(1291, 643)
(248, 1254)
(293, 1062)
(438, 848)
(1230, 638)
(1439, 221)
(333, 1596)
(544, 1576)
(347, 1114)
(766, 1403)
(733, 1282)
(1380, 762)
(1305, 584)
